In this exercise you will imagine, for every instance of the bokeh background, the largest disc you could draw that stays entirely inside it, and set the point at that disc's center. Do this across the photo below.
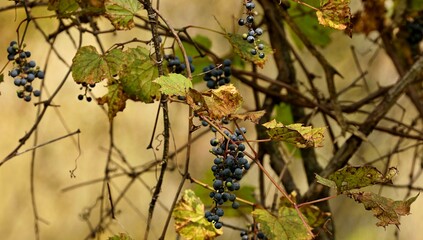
(61, 210)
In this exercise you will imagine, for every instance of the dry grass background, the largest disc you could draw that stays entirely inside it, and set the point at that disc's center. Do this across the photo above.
(133, 127)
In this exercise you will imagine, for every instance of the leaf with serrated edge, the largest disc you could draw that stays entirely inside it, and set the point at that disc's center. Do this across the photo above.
(251, 116)
(137, 81)
(115, 99)
(63, 7)
(335, 14)
(174, 84)
(326, 182)
(354, 177)
(90, 67)
(121, 13)
(243, 48)
(296, 134)
(223, 101)
(287, 225)
(190, 222)
(386, 210)
(314, 215)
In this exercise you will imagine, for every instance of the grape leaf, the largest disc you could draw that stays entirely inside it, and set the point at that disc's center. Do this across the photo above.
(251, 116)
(190, 222)
(121, 13)
(386, 210)
(350, 177)
(121, 236)
(140, 53)
(243, 48)
(223, 101)
(174, 84)
(296, 134)
(314, 215)
(196, 100)
(137, 81)
(287, 225)
(336, 14)
(115, 99)
(90, 67)
(63, 7)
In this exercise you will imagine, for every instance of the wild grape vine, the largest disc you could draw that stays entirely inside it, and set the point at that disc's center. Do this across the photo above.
(228, 169)
(24, 71)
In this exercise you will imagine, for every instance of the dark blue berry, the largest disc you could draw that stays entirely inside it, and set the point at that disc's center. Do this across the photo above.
(37, 93)
(32, 64)
(40, 74)
(259, 31)
(218, 225)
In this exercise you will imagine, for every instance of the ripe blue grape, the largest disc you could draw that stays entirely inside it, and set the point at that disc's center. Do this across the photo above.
(218, 225)
(14, 73)
(37, 93)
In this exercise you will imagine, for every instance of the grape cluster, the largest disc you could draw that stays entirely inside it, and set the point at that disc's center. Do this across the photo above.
(174, 64)
(255, 230)
(253, 33)
(218, 76)
(228, 169)
(24, 71)
(260, 235)
(87, 88)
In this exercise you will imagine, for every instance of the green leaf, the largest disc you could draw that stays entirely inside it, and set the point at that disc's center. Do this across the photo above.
(326, 182)
(174, 84)
(287, 225)
(335, 14)
(190, 222)
(121, 13)
(350, 177)
(115, 99)
(137, 81)
(115, 60)
(90, 67)
(296, 134)
(140, 53)
(314, 215)
(121, 236)
(243, 48)
(386, 210)
(63, 7)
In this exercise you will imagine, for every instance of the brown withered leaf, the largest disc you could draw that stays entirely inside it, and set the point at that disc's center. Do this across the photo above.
(251, 116)
(386, 210)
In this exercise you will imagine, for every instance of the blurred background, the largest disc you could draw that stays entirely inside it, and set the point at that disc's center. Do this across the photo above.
(62, 209)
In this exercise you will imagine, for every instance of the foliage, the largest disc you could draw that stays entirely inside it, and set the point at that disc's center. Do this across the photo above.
(161, 70)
